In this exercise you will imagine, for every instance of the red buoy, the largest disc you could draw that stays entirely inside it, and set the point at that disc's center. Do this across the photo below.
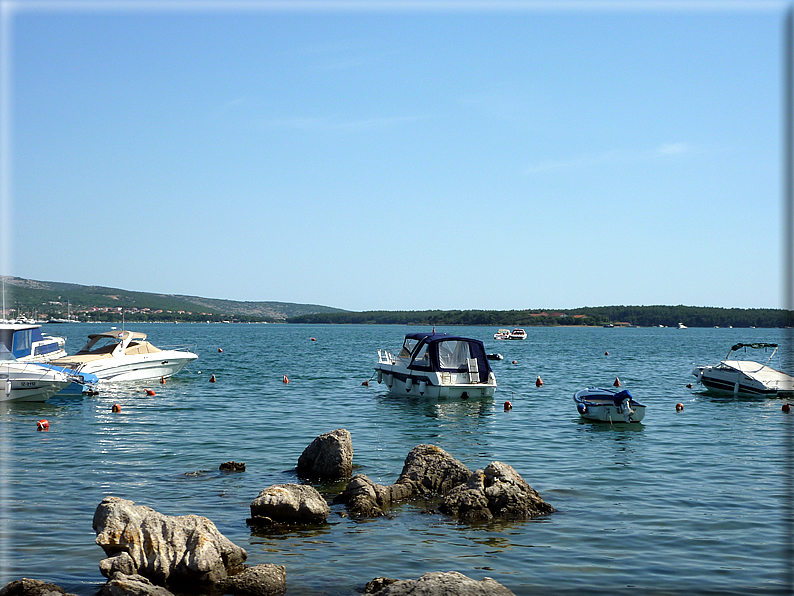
(365, 383)
(617, 382)
(150, 392)
(515, 361)
(162, 380)
(689, 385)
(786, 408)
(42, 425)
(314, 339)
(538, 382)
(212, 379)
(606, 353)
(220, 349)
(286, 380)
(115, 408)
(679, 407)
(508, 406)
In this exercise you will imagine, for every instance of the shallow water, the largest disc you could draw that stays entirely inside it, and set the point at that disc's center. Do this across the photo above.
(691, 502)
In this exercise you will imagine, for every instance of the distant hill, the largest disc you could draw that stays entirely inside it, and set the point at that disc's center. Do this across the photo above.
(46, 299)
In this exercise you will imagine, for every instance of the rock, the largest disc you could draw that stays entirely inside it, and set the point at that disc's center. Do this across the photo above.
(378, 584)
(131, 585)
(468, 502)
(432, 470)
(450, 583)
(32, 587)
(232, 466)
(428, 469)
(289, 503)
(328, 456)
(259, 580)
(498, 491)
(160, 547)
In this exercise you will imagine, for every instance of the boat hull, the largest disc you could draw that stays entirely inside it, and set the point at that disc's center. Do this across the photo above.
(140, 368)
(431, 385)
(30, 383)
(605, 405)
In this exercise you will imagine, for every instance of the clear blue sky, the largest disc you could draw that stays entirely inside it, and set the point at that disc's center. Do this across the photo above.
(373, 157)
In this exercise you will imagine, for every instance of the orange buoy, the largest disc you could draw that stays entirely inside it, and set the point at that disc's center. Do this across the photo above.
(606, 353)
(212, 379)
(538, 382)
(115, 408)
(515, 361)
(150, 392)
(617, 382)
(220, 349)
(314, 339)
(286, 380)
(508, 406)
(162, 380)
(786, 408)
(679, 407)
(365, 384)
(42, 425)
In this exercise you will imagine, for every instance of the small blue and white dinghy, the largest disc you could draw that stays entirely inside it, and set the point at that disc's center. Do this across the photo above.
(608, 405)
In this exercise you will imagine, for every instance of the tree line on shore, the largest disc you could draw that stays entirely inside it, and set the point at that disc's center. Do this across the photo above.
(641, 316)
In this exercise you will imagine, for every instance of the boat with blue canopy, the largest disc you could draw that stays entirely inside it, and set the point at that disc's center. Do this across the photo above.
(437, 365)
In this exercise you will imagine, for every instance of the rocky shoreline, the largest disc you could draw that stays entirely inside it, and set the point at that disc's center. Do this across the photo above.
(150, 554)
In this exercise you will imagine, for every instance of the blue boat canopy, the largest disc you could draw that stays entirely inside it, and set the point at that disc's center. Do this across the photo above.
(439, 352)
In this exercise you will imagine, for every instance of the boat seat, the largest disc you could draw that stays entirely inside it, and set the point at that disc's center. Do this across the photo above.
(474, 370)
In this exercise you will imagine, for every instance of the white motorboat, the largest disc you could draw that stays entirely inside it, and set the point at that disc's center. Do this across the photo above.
(502, 334)
(746, 377)
(126, 356)
(28, 344)
(29, 381)
(437, 365)
(608, 405)
(518, 334)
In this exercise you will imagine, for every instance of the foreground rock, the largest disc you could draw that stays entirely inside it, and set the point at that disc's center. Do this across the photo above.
(289, 503)
(450, 583)
(132, 585)
(32, 587)
(428, 469)
(328, 456)
(498, 491)
(140, 541)
(260, 580)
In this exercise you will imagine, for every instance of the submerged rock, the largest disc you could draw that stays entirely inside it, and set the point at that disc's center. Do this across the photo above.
(289, 503)
(32, 587)
(498, 491)
(232, 466)
(328, 456)
(428, 469)
(437, 583)
(259, 580)
(139, 540)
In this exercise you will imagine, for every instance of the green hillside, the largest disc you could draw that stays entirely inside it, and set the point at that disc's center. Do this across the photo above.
(46, 300)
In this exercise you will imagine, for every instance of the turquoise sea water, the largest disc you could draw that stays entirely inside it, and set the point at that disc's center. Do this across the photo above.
(691, 502)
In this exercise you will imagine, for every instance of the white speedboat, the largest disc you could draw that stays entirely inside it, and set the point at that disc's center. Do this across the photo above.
(746, 377)
(126, 356)
(518, 334)
(437, 365)
(29, 381)
(28, 344)
(502, 334)
(608, 405)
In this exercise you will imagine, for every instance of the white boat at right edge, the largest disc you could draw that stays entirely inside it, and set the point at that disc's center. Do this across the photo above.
(746, 377)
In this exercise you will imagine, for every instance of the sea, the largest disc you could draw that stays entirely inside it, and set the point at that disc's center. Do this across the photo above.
(689, 502)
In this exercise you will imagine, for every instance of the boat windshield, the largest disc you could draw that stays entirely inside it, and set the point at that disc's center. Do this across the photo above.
(100, 345)
(453, 353)
(408, 347)
(5, 355)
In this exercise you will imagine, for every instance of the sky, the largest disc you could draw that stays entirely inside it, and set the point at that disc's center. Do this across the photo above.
(398, 156)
